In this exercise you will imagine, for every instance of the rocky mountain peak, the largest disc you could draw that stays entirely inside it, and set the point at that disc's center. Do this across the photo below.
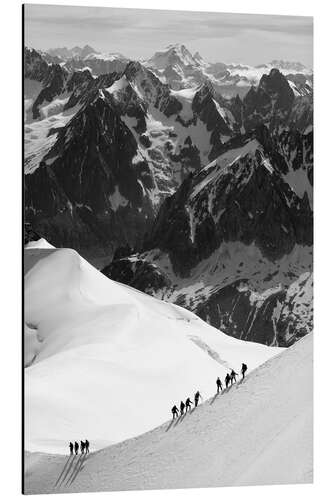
(206, 90)
(270, 103)
(35, 67)
(197, 56)
(275, 83)
(86, 50)
(133, 69)
(174, 55)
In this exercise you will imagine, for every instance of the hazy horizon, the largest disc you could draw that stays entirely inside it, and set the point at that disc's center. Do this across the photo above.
(138, 33)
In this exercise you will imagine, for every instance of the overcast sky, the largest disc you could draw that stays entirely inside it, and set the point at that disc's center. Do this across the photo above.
(247, 38)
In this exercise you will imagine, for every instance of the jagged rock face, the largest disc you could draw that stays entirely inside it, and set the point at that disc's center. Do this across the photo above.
(270, 103)
(30, 234)
(79, 84)
(233, 199)
(124, 142)
(206, 106)
(280, 317)
(54, 85)
(236, 290)
(303, 85)
(276, 85)
(52, 77)
(301, 117)
(168, 136)
(275, 104)
(86, 190)
(137, 273)
(35, 67)
(153, 90)
(297, 149)
(77, 79)
(226, 245)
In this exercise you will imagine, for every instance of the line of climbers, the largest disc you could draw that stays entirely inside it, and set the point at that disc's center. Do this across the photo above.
(74, 448)
(186, 406)
(230, 378)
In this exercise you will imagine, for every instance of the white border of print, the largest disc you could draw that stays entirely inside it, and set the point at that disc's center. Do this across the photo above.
(10, 414)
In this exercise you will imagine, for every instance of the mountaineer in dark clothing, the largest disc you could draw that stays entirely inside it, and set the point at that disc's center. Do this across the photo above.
(87, 445)
(76, 447)
(233, 376)
(244, 369)
(82, 446)
(174, 412)
(227, 380)
(71, 447)
(188, 404)
(182, 407)
(219, 384)
(197, 395)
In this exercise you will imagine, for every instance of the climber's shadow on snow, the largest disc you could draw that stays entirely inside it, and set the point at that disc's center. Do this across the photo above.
(176, 421)
(169, 426)
(79, 466)
(74, 471)
(64, 473)
(214, 398)
(179, 419)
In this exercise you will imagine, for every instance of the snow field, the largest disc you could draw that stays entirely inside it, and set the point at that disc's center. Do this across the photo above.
(259, 432)
(111, 361)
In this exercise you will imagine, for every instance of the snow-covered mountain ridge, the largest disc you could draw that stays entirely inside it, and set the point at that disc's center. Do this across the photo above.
(97, 351)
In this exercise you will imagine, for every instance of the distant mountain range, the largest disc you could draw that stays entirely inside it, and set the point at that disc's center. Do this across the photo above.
(76, 52)
(191, 181)
(180, 69)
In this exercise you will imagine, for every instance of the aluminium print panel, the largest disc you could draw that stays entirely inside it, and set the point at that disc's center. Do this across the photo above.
(168, 253)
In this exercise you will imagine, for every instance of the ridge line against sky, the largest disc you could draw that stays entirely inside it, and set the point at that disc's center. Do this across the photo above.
(138, 33)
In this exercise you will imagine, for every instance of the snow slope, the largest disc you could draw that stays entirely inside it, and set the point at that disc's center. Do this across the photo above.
(41, 243)
(37, 138)
(111, 361)
(260, 432)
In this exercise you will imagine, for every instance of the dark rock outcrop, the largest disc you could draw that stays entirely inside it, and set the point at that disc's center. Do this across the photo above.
(137, 273)
(249, 201)
(242, 200)
(86, 191)
(280, 317)
(270, 103)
